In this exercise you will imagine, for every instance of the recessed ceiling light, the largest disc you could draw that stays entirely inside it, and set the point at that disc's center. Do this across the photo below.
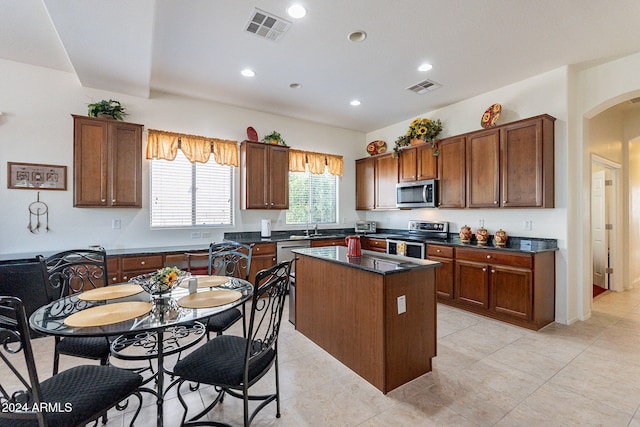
(247, 72)
(357, 36)
(296, 11)
(295, 85)
(425, 67)
(355, 102)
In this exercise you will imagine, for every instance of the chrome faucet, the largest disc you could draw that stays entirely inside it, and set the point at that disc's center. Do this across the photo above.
(315, 230)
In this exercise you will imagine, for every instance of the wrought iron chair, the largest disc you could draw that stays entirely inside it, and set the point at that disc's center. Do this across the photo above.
(234, 364)
(74, 397)
(72, 272)
(234, 260)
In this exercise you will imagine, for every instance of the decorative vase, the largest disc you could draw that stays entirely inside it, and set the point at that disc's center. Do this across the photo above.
(500, 238)
(465, 234)
(482, 236)
(273, 141)
(416, 141)
(106, 116)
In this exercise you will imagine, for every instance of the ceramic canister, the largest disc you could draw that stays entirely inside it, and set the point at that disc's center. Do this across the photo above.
(482, 236)
(465, 234)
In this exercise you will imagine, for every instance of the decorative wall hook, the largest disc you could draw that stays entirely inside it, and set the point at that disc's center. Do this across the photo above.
(36, 210)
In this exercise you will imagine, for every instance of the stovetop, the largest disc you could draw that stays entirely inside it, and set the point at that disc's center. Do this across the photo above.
(420, 231)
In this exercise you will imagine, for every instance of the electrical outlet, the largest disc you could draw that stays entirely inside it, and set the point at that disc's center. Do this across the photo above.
(528, 225)
(402, 304)
(206, 235)
(196, 235)
(116, 224)
(481, 223)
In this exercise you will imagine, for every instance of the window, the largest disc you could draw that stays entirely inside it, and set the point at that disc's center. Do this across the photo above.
(312, 198)
(174, 203)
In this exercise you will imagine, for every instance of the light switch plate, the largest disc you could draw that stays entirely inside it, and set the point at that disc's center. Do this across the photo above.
(402, 304)
(115, 224)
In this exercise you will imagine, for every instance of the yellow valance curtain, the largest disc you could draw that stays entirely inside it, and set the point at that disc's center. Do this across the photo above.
(164, 145)
(298, 160)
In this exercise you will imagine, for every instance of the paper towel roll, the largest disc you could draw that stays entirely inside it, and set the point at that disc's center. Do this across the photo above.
(266, 228)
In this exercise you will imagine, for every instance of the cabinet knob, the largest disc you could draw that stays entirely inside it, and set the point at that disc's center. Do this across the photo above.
(113, 279)
(113, 200)
(104, 200)
(438, 250)
(493, 271)
(495, 202)
(125, 277)
(142, 262)
(274, 259)
(484, 268)
(504, 202)
(488, 256)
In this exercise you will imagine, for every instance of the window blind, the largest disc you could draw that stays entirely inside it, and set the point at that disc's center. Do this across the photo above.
(312, 198)
(185, 194)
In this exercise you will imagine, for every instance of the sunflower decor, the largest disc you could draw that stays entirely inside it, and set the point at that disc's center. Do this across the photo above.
(420, 128)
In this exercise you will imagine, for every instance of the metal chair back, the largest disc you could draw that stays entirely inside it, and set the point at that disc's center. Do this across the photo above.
(75, 271)
(230, 259)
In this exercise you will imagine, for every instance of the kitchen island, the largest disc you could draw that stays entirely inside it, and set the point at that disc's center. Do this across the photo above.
(376, 313)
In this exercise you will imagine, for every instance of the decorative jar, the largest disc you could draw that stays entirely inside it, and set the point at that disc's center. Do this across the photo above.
(482, 236)
(465, 234)
(500, 238)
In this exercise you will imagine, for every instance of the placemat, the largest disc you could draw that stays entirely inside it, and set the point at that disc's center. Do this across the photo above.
(207, 299)
(107, 314)
(207, 281)
(110, 292)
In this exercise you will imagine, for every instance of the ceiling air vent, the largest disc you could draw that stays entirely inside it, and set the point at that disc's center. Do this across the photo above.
(424, 87)
(267, 25)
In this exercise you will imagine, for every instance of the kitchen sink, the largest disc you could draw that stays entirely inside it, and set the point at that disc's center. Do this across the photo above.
(313, 236)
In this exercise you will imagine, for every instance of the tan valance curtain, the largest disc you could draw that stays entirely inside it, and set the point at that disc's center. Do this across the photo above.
(164, 145)
(298, 160)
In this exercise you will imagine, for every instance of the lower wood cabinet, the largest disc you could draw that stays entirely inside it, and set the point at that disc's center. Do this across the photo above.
(444, 273)
(328, 242)
(514, 287)
(263, 256)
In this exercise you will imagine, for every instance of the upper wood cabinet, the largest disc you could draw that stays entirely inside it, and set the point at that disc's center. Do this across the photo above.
(264, 177)
(452, 172)
(107, 163)
(418, 163)
(512, 165)
(376, 179)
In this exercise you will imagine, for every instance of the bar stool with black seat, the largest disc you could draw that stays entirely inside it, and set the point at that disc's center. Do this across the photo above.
(73, 397)
(230, 259)
(234, 364)
(72, 272)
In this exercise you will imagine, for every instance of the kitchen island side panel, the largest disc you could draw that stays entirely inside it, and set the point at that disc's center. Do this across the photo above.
(353, 314)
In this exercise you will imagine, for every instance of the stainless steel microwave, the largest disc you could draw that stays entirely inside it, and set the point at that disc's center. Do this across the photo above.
(417, 194)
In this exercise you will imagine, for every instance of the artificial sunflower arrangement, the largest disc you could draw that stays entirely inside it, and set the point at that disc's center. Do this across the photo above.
(167, 275)
(421, 128)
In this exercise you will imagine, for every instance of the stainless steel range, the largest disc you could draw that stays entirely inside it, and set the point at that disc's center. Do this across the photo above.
(414, 243)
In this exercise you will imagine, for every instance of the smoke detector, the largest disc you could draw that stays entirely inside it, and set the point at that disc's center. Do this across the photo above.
(267, 25)
(424, 87)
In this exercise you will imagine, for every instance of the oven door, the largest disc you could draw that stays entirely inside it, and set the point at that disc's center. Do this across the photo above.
(406, 248)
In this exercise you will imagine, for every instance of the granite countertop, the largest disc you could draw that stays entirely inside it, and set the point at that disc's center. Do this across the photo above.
(373, 262)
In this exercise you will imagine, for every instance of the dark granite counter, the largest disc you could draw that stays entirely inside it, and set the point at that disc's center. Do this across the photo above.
(373, 262)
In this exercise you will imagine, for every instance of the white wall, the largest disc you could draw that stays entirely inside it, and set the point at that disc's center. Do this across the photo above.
(632, 137)
(36, 127)
(545, 93)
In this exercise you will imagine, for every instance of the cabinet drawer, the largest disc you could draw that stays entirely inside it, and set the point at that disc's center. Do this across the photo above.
(264, 249)
(135, 263)
(494, 257)
(373, 244)
(327, 242)
(439, 250)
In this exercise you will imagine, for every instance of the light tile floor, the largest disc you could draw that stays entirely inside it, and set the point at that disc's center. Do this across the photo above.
(486, 373)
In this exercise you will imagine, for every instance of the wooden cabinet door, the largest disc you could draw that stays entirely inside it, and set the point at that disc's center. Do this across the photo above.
(483, 169)
(452, 172)
(386, 173)
(522, 164)
(427, 163)
(125, 174)
(511, 291)
(472, 284)
(263, 256)
(278, 177)
(444, 277)
(90, 162)
(373, 244)
(365, 184)
(255, 167)
(408, 163)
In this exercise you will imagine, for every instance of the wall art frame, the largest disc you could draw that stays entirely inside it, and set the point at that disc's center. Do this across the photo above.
(34, 176)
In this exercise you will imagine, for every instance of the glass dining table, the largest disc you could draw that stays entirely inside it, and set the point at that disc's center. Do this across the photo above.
(139, 325)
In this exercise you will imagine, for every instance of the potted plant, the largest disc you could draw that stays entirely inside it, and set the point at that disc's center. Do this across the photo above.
(107, 109)
(420, 130)
(274, 138)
